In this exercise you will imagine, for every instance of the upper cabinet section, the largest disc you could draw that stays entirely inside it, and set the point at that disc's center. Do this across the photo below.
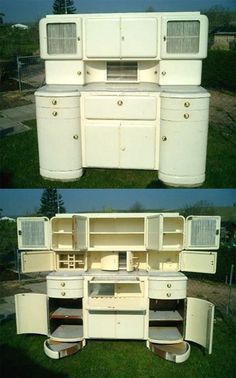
(184, 37)
(121, 37)
(33, 233)
(202, 232)
(61, 38)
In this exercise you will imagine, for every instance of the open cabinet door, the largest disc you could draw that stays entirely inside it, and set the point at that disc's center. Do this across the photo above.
(80, 232)
(198, 261)
(110, 261)
(202, 232)
(33, 233)
(37, 261)
(32, 313)
(153, 234)
(199, 322)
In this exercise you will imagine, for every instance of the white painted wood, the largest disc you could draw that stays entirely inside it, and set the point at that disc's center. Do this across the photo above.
(165, 335)
(32, 313)
(68, 332)
(37, 261)
(165, 316)
(129, 325)
(198, 261)
(80, 232)
(174, 352)
(153, 241)
(33, 233)
(202, 232)
(110, 261)
(65, 72)
(56, 350)
(189, 72)
(200, 322)
(101, 324)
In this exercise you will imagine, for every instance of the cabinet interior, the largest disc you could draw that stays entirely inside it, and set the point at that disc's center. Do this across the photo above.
(70, 261)
(62, 233)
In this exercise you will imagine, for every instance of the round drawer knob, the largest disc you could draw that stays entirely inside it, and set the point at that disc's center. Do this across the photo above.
(76, 136)
(54, 114)
(163, 73)
(120, 103)
(187, 104)
(79, 73)
(186, 115)
(168, 295)
(54, 102)
(169, 285)
(164, 138)
(63, 284)
(63, 293)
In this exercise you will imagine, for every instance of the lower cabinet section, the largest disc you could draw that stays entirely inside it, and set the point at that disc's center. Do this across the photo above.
(116, 324)
(174, 352)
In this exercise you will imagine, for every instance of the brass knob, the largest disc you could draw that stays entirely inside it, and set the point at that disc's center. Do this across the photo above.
(63, 284)
(54, 102)
(164, 38)
(120, 102)
(168, 285)
(54, 114)
(168, 295)
(78, 38)
(63, 293)
(186, 115)
(76, 136)
(79, 73)
(163, 73)
(187, 104)
(164, 138)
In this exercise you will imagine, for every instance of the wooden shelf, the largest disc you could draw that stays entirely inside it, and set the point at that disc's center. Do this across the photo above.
(165, 335)
(165, 316)
(66, 313)
(68, 333)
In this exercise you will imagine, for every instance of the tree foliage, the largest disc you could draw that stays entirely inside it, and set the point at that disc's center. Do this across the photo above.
(137, 207)
(51, 203)
(218, 16)
(63, 7)
(199, 208)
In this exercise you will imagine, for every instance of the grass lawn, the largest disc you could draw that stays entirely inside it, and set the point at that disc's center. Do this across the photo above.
(23, 356)
(20, 166)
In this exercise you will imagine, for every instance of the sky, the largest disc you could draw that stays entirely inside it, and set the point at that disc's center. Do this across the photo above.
(19, 202)
(18, 11)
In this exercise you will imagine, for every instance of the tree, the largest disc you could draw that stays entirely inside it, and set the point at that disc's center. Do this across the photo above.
(199, 208)
(217, 16)
(1, 17)
(51, 203)
(137, 207)
(63, 7)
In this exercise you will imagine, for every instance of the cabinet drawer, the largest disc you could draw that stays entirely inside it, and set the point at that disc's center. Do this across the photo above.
(65, 284)
(167, 289)
(120, 107)
(58, 102)
(167, 294)
(181, 115)
(65, 293)
(63, 113)
(185, 103)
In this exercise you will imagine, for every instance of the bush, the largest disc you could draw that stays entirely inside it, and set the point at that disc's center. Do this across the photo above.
(219, 70)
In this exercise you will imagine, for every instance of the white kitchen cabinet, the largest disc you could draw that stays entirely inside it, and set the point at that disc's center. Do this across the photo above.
(202, 232)
(38, 261)
(198, 261)
(189, 72)
(121, 37)
(33, 233)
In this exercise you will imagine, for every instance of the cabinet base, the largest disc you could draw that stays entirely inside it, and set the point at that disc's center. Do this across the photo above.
(183, 181)
(177, 353)
(61, 175)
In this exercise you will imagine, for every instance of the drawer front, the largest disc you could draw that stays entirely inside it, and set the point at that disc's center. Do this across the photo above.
(65, 284)
(120, 107)
(184, 116)
(65, 293)
(167, 294)
(63, 113)
(185, 103)
(57, 102)
(167, 289)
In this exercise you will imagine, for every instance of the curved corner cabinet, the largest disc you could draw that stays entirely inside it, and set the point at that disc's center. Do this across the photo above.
(183, 136)
(58, 127)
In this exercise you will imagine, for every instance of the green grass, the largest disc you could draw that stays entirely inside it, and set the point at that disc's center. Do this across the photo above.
(23, 356)
(20, 165)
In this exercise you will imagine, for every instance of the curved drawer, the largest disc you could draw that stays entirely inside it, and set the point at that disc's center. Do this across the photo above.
(167, 289)
(62, 113)
(167, 294)
(65, 293)
(120, 107)
(184, 103)
(184, 115)
(57, 102)
(65, 284)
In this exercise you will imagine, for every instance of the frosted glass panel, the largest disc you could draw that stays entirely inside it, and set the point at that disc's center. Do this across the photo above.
(183, 37)
(61, 38)
(203, 232)
(33, 234)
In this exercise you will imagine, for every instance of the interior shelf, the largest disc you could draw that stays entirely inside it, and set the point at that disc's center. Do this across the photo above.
(67, 313)
(164, 316)
(68, 333)
(165, 335)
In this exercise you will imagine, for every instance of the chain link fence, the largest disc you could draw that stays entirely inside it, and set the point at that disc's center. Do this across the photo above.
(30, 72)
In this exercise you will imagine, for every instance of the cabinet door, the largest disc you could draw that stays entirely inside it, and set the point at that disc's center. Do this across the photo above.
(137, 146)
(130, 261)
(33, 233)
(184, 37)
(32, 313)
(138, 37)
(80, 232)
(102, 37)
(37, 261)
(101, 324)
(110, 261)
(61, 39)
(129, 325)
(199, 322)
(202, 232)
(153, 234)
(102, 144)
(198, 261)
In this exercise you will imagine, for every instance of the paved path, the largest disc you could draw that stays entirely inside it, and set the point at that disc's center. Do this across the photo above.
(11, 120)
